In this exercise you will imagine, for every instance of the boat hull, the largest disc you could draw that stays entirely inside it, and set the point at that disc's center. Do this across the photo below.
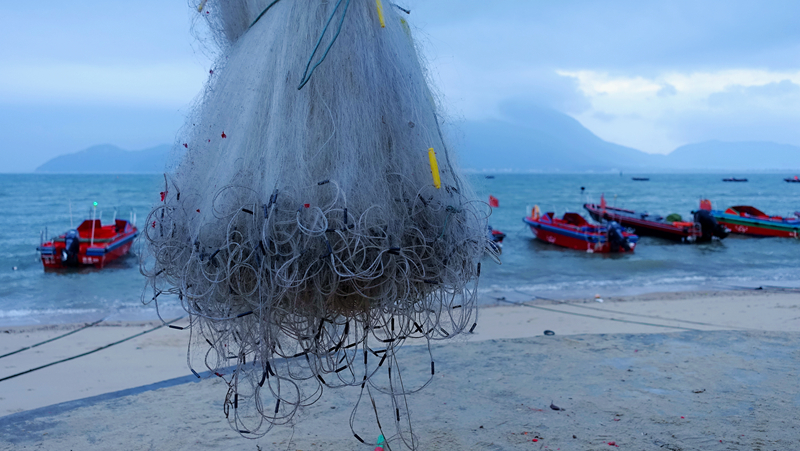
(757, 227)
(644, 227)
(587, 242)
(114, 241)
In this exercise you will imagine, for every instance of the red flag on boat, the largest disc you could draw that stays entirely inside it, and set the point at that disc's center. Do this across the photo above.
(493, 202)
(603, 202)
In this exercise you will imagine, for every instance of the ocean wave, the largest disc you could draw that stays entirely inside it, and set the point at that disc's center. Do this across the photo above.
(636, 285)
(21, 313)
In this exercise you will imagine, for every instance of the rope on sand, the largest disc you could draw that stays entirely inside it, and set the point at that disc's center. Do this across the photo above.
(90, 352)
(640, 315)
(599, 317)
(54, 338)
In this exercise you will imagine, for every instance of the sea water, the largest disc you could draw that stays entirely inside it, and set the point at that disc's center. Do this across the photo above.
(33, 203)
(537, 268)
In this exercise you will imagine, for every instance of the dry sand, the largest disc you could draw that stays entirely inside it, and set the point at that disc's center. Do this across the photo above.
(626, 370)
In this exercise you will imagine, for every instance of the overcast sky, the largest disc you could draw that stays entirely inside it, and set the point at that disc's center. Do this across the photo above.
(646, 74)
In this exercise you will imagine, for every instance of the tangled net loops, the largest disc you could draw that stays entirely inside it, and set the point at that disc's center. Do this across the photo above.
(294, 292)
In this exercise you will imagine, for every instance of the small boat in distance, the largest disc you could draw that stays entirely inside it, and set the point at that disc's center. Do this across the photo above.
(702, 228)
(748, 220)
(640, 179)
(792, 180)
(574, 232)
(91, 244)
(496, 237)
(489, 176)
(733, 179)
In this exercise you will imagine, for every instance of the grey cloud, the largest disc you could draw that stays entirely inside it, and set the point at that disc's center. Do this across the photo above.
(782, 93)
(548, 89)
(734, 122)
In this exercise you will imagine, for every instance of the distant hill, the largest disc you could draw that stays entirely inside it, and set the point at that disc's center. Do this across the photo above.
(544, 140)
(529, 140)
(541, 139)
(741, 156)
(109, 159)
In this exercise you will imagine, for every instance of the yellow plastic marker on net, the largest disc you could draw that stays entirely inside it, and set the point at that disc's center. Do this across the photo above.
(437, 181)
(201, 6)
(380, 13)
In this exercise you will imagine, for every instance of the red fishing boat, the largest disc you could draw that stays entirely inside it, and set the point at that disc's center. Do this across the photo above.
(574, 232)
(91, 244)
(748, 220)
(702, 228)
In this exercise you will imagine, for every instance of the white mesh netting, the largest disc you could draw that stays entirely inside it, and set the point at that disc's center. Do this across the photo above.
(300, 225)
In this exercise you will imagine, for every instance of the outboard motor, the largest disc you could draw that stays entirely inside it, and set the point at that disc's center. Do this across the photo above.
(72, 242)
(616, 238)
(495, 236)
(709, 227)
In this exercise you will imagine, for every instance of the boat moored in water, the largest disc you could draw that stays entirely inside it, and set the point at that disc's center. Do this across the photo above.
(748, 220)
(574, 232)
(91, 244)
(702, 228)
(495, 237)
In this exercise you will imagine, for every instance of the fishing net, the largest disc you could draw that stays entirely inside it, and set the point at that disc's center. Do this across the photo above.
(313, 221)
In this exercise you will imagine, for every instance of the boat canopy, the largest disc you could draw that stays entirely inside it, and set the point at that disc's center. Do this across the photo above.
(746, 210)
(575, 219)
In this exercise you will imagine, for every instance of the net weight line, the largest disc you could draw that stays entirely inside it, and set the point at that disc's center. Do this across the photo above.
(92, 351)
(686, 321)
(54, 338)
(597, 317)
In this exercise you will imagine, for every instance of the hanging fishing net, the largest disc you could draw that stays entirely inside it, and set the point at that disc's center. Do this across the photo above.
(313, 221)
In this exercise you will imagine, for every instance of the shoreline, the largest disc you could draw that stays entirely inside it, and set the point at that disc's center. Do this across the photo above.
(487, 296)
(507, 298)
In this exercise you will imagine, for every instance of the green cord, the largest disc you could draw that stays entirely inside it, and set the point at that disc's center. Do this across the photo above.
(263, 12)
(307, 74)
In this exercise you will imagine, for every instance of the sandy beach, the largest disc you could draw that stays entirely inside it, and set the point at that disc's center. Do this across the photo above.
(674, 371)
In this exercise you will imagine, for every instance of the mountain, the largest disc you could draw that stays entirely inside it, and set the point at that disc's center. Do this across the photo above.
(109, 159)
(544, 140)
(524, 139)
(742, 156)
(535, 139)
